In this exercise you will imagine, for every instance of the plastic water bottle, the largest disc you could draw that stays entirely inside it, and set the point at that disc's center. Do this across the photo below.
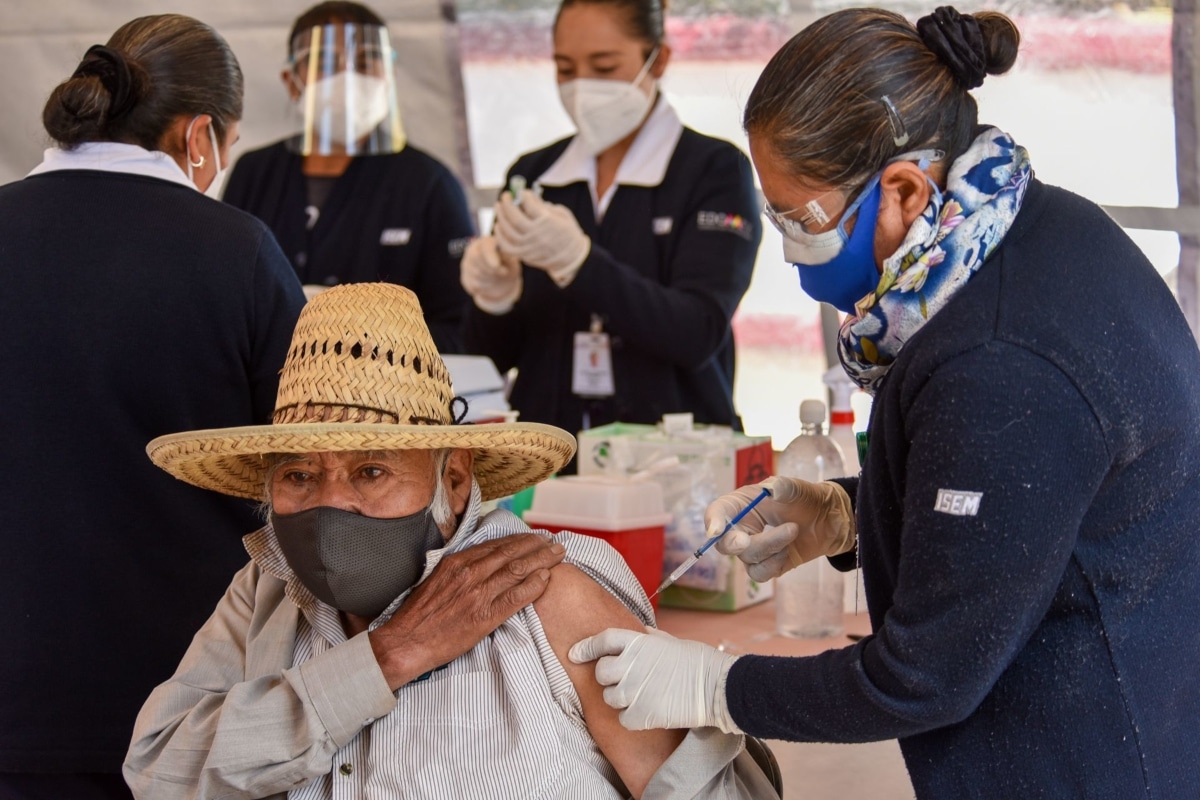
(841, 417)
(843, 429)
(808, 599)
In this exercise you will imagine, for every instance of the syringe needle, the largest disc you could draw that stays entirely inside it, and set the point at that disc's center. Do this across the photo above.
(677, 573)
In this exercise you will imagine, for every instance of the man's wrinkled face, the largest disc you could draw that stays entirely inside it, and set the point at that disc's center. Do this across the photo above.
(383, 485)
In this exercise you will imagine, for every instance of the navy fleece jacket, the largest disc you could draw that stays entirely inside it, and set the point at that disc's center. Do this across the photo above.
(1029, 532)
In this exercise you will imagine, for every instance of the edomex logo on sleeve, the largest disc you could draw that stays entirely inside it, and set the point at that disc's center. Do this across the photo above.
(722, 222)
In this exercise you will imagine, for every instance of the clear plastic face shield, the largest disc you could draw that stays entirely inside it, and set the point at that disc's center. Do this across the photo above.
(342, 79)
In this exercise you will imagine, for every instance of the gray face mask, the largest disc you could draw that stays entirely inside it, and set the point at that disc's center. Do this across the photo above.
(354, 563)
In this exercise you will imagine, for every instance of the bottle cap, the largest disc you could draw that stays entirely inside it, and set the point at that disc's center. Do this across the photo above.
(841, 387)
(812, 412)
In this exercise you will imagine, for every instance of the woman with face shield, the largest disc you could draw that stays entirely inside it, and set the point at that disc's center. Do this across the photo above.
(610, 285)
(1027, 511)
(349, 199)
(132, 305)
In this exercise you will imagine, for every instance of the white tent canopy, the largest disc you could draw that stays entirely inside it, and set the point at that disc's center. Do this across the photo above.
(43, 43)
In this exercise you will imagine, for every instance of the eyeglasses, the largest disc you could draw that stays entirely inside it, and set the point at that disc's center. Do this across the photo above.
(813, 218)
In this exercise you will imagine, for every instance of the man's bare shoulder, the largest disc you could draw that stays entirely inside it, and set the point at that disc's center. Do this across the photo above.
(574, 606)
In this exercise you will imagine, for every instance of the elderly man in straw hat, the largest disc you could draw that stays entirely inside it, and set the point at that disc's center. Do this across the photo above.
(386, 640)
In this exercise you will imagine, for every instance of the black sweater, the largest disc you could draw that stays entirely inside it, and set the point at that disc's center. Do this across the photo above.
(130, 307)
(1046, 644)
(400, 218)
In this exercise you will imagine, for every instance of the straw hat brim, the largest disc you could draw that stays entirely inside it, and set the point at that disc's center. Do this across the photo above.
(509, 457)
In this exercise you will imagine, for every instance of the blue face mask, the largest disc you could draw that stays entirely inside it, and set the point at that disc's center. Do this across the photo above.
(849, 275)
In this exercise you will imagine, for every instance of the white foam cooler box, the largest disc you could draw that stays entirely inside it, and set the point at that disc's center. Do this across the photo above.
(625, 513)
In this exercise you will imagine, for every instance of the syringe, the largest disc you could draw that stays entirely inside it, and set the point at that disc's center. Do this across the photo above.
(694, 557)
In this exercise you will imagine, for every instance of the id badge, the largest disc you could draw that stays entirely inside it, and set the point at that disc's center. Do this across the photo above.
(592, 375)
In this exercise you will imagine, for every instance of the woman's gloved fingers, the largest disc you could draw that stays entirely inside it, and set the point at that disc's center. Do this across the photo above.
(480, 265)
(509, 241)
(510, 265)
(718, 514)
(609, 642)
(512, 215)
(513, 219)
(728, 506)
(769, 543)
(734, 543)
(509, 236)
(489, 278)
(785, 491)
(612, 669)
(533, 206)
(481, 256)
(489, 252)
(771, 567)
(614, 696)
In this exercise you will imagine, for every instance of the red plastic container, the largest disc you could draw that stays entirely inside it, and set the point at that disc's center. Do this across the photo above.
(626, 514)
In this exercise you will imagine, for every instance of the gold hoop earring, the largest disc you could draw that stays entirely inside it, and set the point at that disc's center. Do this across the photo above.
(197, 164)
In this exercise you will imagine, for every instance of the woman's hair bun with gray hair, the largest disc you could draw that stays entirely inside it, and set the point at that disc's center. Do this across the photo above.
(104, 87)
(971, 46)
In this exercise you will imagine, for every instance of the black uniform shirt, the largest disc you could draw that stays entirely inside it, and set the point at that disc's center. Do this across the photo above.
(400, 218)
(668, 266)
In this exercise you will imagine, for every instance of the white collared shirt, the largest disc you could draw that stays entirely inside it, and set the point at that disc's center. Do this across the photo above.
(644, 165)
(114, 157)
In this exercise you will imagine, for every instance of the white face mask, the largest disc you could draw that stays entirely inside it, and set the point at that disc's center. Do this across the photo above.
(606, 111)
(214, 188)
(811, 248)
(346, 106)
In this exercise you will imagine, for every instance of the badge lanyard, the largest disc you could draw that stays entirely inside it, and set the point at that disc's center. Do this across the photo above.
(592, 371)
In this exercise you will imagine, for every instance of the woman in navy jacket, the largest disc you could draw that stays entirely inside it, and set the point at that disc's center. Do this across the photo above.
(132, 305)
(636, 252)
(1027, 514)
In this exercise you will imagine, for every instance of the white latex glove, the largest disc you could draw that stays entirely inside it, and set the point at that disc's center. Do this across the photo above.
(800, 521)
(544, 235)
(659, 681)
(492, 279)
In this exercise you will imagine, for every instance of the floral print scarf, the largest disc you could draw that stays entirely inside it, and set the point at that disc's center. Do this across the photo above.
(946, 245)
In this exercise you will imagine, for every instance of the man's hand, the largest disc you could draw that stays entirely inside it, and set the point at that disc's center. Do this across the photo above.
(800, 521)
(659, 681)
(466, 597)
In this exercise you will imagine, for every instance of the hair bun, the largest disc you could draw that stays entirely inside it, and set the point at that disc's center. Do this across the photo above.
(112, 69)
(958, 42)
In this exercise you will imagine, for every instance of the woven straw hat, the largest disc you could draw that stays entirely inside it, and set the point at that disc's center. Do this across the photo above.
(363, 374)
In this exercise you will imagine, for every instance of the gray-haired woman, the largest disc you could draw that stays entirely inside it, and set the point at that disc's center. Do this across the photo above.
(133, 305)
(1025, 519)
